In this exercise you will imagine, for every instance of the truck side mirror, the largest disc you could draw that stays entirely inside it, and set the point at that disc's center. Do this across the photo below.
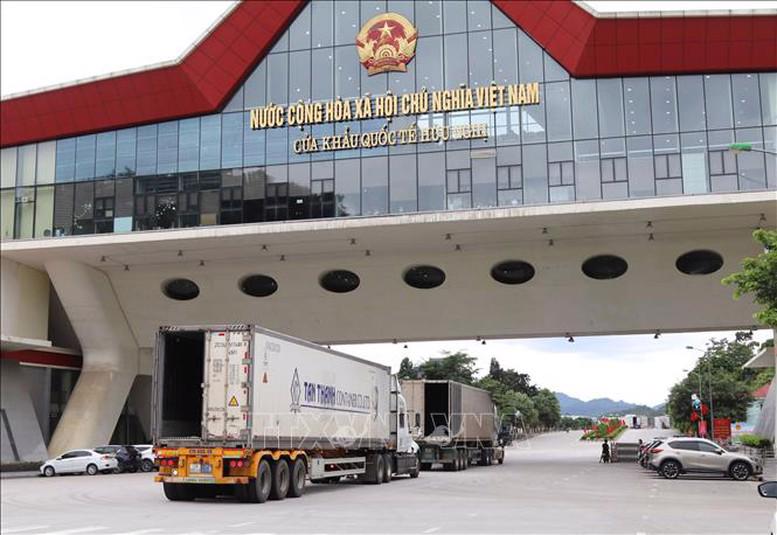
(768, 489)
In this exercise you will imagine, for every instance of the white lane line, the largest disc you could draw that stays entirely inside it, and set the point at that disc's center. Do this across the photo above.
(140, 531)
(432, 530)
(78, 530)
(22, 530)
(241, 525)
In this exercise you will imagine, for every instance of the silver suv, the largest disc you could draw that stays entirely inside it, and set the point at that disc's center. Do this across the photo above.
(677, 456)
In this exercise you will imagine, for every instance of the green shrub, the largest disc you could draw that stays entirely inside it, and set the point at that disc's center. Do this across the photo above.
(754, 441)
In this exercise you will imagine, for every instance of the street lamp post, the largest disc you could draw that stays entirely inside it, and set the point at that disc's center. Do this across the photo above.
(709, 388)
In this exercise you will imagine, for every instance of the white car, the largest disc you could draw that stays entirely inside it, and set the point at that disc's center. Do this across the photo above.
(148, 461)
(79, 462)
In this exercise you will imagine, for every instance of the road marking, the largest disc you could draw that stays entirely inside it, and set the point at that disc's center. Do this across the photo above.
(21, 530)
(432, 530)
(241, 525)
(78, 530)
(140, 531)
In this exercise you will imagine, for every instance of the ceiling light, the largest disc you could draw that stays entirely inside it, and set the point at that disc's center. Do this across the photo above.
(180, 252)
(458, 247)
(656, 336)
(264, 247)
(447, 236)
(202, 263)
(367, 253)
(353, 241)
(550, 242)
(283, 258)
(544, 230)
(126, 267)
(570, 338)
(649, 224)
(102, 259)
(650, 237)
(483, 342)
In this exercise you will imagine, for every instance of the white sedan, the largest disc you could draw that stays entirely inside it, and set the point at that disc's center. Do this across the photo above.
(79, 462)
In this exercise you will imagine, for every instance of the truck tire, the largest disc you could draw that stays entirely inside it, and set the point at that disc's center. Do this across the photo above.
(297, 480)
(416, 470)
(258, 489)
(280, 479)
(375, 470)
(387, 468)
(178, 492)
(464, 459)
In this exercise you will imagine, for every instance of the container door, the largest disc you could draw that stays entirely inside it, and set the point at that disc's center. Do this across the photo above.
(228, 368)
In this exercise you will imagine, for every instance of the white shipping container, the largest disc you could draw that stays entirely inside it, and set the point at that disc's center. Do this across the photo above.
(260, 389)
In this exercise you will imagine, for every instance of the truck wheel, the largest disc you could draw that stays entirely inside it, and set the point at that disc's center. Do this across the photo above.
(416, 470)
(280, 479)
(464, 459)
(297, 481)
(375, 472)
(387, 468)
(258, 490)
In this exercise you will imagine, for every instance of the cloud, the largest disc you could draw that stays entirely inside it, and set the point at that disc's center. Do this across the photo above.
(633, 368)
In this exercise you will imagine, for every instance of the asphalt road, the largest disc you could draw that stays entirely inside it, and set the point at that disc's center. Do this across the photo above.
(552, 484)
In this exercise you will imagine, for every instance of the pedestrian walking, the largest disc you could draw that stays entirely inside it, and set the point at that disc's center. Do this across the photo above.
(605, 457)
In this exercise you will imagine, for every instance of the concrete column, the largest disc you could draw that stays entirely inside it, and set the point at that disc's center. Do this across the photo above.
(110, 355)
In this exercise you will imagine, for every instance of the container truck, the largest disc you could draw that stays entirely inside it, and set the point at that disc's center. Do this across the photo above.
(238, 409)
(454, 424)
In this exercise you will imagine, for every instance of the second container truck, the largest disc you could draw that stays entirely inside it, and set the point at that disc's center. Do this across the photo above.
(454, 424)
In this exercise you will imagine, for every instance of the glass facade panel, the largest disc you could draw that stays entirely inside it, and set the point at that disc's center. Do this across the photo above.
(46, 162)
(717, 98)
(126, 146)
(146, 150)
(403, 191)
(210, 142)
(610, 102)
(747, 106)
(663, 104)
(65, 160)
(8, 167)
(44, 212)
(105, 162)
(85, 154)
(25, 165)
(7, 203)
(587, 139)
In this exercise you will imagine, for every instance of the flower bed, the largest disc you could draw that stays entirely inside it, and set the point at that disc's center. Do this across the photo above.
(609, 428)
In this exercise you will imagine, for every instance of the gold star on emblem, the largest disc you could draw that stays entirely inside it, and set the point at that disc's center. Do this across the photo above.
(386, 30)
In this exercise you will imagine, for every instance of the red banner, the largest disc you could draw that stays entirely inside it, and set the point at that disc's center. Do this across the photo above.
(722, 428)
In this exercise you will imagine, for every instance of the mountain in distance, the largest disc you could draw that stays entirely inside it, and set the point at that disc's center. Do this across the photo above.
(601, 407)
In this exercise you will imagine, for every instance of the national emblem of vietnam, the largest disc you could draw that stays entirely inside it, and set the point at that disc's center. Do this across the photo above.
(386, 43)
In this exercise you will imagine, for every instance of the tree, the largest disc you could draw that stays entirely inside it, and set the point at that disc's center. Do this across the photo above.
(520, 382)
(407, 369)
(719, 370)
(509, 402)
(759, 278)
(548, 409)
(451, 367)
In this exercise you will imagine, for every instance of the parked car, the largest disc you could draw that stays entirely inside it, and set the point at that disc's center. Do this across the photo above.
(147, 458)
(682, 455)
(129, 459)
(79, 462)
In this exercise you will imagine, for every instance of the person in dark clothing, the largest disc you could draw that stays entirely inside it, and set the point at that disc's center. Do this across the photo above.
(605, 458)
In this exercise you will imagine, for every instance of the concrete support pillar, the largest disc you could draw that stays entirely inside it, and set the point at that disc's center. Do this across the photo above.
(110, 355)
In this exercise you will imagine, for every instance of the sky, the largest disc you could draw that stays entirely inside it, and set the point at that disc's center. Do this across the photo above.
(48, 43)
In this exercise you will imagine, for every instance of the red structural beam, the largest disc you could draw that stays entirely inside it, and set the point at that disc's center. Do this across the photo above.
(43, 358)
(207, 77)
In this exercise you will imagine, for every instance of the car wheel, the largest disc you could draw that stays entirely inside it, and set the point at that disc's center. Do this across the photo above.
(147, 465)
(739, 470)
(49, 471)
(92, 470)
(670, 469)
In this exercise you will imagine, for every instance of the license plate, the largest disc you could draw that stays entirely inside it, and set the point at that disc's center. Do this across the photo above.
(200, 468)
